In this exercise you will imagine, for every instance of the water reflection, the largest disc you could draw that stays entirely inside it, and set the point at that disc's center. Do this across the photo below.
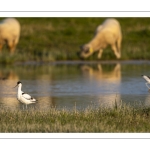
(8, 78)
(108, 81)
(147, 100)
(42, 86)
(75, 85)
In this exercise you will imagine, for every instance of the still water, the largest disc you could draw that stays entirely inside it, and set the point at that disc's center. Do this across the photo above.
(76, 85)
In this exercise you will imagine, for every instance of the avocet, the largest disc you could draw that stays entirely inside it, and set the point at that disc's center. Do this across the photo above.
(147, 78)
(24, 97)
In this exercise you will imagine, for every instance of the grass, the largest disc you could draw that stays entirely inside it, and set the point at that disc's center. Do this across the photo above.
(53, 39)
(125, 119)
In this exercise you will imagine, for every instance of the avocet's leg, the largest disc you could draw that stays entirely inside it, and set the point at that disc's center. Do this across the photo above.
(147, 85)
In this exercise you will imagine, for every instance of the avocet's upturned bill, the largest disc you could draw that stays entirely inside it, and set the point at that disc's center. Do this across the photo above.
(23, 97)
(147, 78)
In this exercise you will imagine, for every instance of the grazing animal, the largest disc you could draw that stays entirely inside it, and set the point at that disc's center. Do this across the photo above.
(108, 33)
(23, 97)
(9, 33)
(147, 78)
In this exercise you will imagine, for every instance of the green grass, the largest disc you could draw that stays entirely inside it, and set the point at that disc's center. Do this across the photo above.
(53, 39)
(121, 119)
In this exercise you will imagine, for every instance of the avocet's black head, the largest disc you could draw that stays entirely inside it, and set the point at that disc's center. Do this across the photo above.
(18, 82)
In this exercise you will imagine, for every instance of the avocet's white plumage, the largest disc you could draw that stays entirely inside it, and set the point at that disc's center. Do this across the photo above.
(147, 78)
(23, 97)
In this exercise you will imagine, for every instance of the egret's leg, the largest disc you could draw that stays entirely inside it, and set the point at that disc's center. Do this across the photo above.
(147, 85)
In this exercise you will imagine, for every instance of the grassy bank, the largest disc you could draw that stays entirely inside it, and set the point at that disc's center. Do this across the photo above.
(125, 119)
(51, 39)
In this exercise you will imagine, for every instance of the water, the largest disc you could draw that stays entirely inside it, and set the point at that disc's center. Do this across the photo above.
(76, 85)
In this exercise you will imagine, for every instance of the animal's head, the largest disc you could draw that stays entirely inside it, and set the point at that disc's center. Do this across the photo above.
(85, 51)
(18, 83)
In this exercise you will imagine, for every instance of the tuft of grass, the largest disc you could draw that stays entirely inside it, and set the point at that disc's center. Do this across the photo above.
(123, 118)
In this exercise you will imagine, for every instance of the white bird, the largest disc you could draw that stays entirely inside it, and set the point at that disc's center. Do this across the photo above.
(23, 97)
(147, 78)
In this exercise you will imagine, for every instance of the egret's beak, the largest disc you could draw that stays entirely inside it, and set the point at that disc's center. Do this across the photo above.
(15, 86)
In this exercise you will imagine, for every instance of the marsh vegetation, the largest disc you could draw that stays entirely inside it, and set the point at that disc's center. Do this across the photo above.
(59, 39)
(116, 120)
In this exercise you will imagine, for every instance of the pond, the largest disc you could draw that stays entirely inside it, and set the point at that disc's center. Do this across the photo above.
(76, 85)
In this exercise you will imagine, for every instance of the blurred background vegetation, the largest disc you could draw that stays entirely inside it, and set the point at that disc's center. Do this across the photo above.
(53, 39)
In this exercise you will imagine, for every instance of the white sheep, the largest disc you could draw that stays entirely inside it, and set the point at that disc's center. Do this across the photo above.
(108, 33)
(9, 33)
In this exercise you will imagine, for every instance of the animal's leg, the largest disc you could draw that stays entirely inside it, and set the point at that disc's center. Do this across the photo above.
(117, 68)
(117, 71)
(147, 85)
(119, 45)
(11, 46)
(100, 53)
(99, 67)
(114, 48)
(1, 46)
